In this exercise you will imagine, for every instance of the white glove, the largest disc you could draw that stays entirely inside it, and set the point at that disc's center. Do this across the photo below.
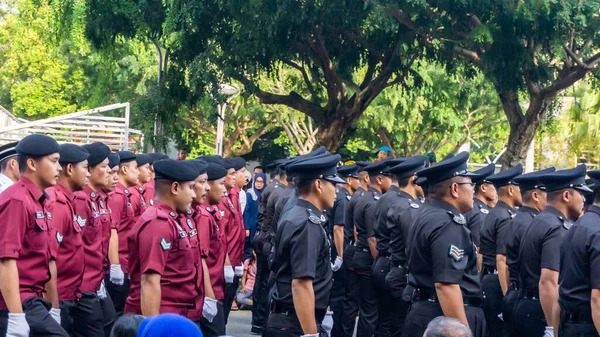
(311, 335)
(327, 323)
(501, 317)
(549, 331)
(102, 291)
(116, 274)
(55, 313)
(239, 271)
(229, 274)
(209, 309)
(337, 264)
(17, 326)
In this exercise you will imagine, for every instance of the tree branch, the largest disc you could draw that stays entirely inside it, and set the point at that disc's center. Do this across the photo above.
(470, 55)
(311, 88)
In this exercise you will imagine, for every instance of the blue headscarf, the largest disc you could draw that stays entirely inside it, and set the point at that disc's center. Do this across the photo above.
(264, 178)
(168, 325)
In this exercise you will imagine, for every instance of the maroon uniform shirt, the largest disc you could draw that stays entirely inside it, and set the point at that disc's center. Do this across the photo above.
(213, 245)
(107, 233)
(148, 192)
(66, 242)
(125, 215)
(25, 229)
(159, 244)
(95, 216)
(233, 224)
(186, 221)
(138, 200)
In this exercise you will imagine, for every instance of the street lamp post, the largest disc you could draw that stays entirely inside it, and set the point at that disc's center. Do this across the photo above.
(233, 92)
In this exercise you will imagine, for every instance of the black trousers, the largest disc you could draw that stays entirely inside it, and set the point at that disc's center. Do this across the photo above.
(215, 328)
(41, 324)
(493, 305)
(396, 282)
(83, 317)
(336, 301)
(508, 306)
(422, 312)
(351, 293)
(577, 329)
(529, 318)
(385, 302)
(118, 293)
(367, 305)
(230, 292)
(280, 325)
(109, 314)
(260, 309)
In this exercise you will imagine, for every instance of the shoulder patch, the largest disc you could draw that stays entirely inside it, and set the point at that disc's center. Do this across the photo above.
(459, 219)
(567, 224)
(81, 221)
(164, 244)
(348, 196)
(456, 253)
(484, 210)
(413, 205)
(314, 219)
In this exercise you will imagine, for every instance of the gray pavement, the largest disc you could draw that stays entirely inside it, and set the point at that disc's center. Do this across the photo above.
(239, 323)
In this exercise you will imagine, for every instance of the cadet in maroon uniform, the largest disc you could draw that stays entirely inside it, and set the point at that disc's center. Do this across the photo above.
(78, 317)
(148, 188)
(25, 229)
(163, 275)
(213, 248)
(143, 163)
(125, 213)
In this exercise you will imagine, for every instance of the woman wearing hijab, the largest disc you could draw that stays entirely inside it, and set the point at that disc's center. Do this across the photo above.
(251, 211)
(168, 325)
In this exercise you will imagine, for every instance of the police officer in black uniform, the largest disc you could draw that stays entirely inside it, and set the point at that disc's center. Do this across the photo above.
(301, 264)
(494, 282)
(364, 220)
(442, 261)
(395, 211)
(579, 292)
(352, 284)
(336, 231)
(485, 194)
(533, 193)
(539, 253)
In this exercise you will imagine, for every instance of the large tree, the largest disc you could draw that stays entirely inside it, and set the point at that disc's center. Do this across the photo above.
(531, 50)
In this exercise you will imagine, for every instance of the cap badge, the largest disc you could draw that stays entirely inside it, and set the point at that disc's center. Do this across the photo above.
(567, 224)
(189, 223)
(484, 210)
(93, 194)
(459, 219)
(164, 244)
(126, 191)
(456, 253)
(314, 219)
(413, 205)
(348, 196)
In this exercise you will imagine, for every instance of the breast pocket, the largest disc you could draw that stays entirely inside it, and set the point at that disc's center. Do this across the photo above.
(37, 237)
(92, 228)
(181, 256)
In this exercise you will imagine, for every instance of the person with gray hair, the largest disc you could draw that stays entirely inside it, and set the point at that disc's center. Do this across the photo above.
(447, 327)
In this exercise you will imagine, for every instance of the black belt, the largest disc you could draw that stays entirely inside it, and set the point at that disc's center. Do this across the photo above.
(530, 294)
(485, 270)
(366, 250)
(422, 294)
(576, 316)
(384, 253)
(289, 310)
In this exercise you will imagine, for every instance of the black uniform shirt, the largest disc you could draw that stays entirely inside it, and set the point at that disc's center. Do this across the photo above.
(262, 205)
(380, 230)
(516, 229)
(475, 218)
(540, 246)
(363, 217)
(349, 216)
(580, 262)
(283, 199)
(336, 215)
(442, 251)
(302, 251)
(270, 222)
(493, 232)
(398, 221)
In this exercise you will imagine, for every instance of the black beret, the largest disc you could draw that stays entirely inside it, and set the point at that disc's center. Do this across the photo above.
(319, 167)
(113, 160)
(239, 163)
(483, 173)
(447, 169)
(531, 181)
(156, 156)
(380, 167)
(563, 179)
(71, 153)
(37, 146)
(8, 150)
(176, 170)
(213, 159)
(143, 159)
(215, 171)
(408, 167)
(126, 156)
(505, 177)
(98, 152)
(199, 165)
(229, 163)
(348, 171)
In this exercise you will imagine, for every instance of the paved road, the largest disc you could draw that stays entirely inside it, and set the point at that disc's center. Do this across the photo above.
(239, 324)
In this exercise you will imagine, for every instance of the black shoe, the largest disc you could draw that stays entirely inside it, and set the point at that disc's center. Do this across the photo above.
(257, 330)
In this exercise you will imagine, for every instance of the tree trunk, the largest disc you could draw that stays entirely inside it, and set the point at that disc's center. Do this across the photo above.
(332, 132)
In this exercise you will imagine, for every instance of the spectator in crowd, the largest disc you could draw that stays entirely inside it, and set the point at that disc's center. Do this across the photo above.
(127, 326)
(251, 209)
(383, 153)
(447, 327)
(168, 325)
(259, 169)
(183, 153)
(244, 297)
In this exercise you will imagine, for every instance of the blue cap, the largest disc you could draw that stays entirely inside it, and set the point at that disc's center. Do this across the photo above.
(447, 169)
(126, 156)
(71, 154)
(572, 178)
(37, 146)
(409, 167)
(176, 170)
(143, 159)
(483, 173)
(505, 177)
(532, 181)
(378, 168)
(168, 325)
(384, 149)
(348, 171)
(320, 167)
(8, 150)
(98, 153)
(113, 160)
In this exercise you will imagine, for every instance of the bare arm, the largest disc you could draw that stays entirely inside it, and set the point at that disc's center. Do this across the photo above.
(451, 301)
(373, 246)
(51, 287)
(9, 285)
(227, 262)
(208, 289)
(549, 295)
(338, 239)
(502, 272)
(113, 247)
(304, 302)
(150, 294)
(596, 308)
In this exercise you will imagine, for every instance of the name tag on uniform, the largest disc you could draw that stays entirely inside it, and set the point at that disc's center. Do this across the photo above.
(49, 215)
(182, 234)
(96, 214)
(193, 233)
(39, 215)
